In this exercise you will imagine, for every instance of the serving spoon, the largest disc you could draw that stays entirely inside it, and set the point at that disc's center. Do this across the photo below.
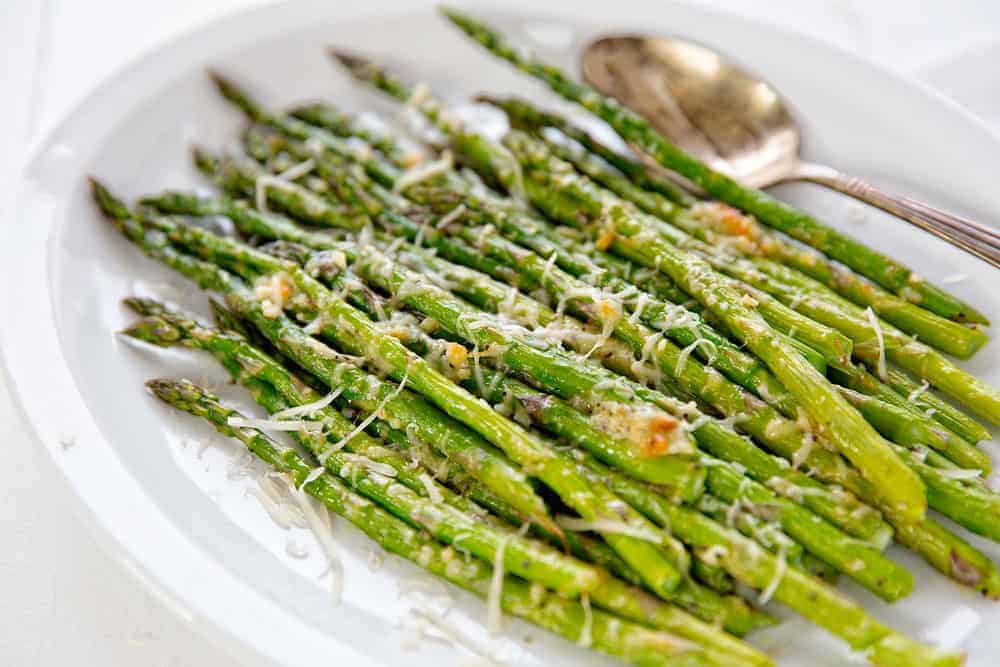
(739, 125)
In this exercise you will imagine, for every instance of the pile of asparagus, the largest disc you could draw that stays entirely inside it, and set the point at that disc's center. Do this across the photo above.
(644, 414)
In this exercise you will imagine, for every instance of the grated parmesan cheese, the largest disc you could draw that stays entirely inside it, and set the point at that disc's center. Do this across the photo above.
(682, 359)
(586, 638)
(308, 408)
(779, 574)
(578, 525)
(433, 492)
(319, 523)
(337, 446)
(959, 473)
(296, 549)
(455, 635)
(280, 181)
(880, 338)
(450, 217)
(493, 607)
(916, 393)
(424, 172)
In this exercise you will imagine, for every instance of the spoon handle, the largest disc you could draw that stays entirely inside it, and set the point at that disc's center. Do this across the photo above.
(969, 235)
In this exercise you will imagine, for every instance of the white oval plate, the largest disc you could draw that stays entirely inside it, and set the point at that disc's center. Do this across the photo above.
(173, 515)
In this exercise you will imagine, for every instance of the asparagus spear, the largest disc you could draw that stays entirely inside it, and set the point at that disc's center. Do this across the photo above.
(457, 522)
(722, 226)
(940, 411)
(897, 425)
(609, 634)
(357, 333)
(798, 224)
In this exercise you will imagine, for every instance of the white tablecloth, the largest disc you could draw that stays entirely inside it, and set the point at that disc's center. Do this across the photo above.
(62, 600)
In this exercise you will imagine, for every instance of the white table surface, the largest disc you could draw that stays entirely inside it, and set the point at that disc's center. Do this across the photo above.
(62, 600)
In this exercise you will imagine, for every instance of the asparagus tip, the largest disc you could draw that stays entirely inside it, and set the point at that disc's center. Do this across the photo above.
(221, 83)
(464, 21)
(205, 160)
(236, 95)
(110, 205)
(179, 393)
(486, 98)
(143, 306)
(170, 390)
(155, 331)
(351, 61)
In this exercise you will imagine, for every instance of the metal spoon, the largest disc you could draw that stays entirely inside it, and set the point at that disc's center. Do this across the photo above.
(739, 125)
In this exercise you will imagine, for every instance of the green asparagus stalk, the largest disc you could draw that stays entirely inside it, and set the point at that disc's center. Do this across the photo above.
(609, 634)
(745, 518)
(722, 226)
(940, 411)
(357, 333)
(897, 425)
(798, 224)
(856, 377)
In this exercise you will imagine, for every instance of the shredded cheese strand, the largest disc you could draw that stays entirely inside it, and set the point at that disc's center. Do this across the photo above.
(779, 574)
(450, 217)
(959, 473)
(321, 527)
(337, 446)
(578, 525)
(424, 172)
(282, 180)
(880, 338)
(493, 610)
(453, 633)
(433, 492)
(308, 408)
(682, 359)
(918, 392)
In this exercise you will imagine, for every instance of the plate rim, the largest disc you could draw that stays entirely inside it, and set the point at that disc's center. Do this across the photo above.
(287, 15)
